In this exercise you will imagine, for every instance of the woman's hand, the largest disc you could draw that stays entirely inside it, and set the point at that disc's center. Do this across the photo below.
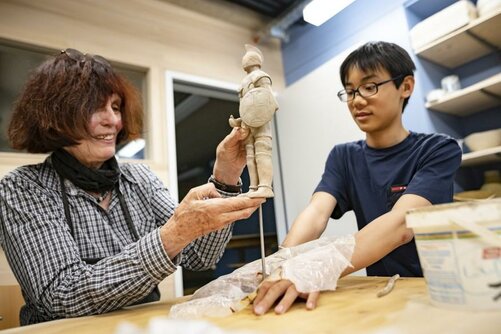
(203, 211)
(270, 291)
(231, 157)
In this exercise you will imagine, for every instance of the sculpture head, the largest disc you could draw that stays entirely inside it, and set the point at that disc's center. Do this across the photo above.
(252, 57)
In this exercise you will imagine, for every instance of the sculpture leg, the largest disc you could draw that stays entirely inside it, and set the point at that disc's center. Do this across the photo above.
(251, 163)
(264, 164)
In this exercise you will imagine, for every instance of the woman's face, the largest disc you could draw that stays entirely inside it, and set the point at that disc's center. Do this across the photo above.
(104, 126)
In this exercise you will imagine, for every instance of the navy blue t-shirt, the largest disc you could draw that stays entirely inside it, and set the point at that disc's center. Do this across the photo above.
(369, 181)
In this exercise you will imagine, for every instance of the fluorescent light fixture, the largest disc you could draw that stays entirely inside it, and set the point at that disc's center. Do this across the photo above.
(319, 11)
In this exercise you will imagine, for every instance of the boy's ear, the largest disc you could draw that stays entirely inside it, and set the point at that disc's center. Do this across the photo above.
(407, 86)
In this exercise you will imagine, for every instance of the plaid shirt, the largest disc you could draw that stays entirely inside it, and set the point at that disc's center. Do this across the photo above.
(47, 260)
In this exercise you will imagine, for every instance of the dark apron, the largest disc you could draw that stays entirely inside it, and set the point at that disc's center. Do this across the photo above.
(154, 295)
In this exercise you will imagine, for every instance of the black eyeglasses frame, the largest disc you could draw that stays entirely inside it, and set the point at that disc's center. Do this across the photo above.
(345, 97)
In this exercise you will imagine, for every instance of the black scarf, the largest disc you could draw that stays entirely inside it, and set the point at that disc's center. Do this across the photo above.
(95, 180)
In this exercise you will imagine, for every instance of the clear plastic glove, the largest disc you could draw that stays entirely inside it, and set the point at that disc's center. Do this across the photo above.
(313, 266)
(220, 297)
(318, 266)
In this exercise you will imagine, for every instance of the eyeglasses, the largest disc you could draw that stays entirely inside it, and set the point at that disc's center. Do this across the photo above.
(365, 90)
(79, 57)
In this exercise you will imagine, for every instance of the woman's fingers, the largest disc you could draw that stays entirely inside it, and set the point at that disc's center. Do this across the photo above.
(200, 213)
(237, 208)
(202, 192)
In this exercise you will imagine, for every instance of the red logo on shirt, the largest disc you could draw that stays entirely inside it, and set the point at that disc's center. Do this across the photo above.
(397, 189)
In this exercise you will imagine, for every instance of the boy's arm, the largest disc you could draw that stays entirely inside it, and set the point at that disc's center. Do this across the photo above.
(308, 225)
(373, 242)
(384, 234)
(311, 222)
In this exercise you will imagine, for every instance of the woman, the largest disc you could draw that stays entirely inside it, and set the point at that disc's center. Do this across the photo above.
(83, 234)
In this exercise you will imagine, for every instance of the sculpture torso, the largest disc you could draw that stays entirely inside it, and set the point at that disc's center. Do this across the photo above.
(257, 103)
(256, 78)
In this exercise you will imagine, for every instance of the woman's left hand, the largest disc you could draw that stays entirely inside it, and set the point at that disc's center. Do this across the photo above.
(231, 157)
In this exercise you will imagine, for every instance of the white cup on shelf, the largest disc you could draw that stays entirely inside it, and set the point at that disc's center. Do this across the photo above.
(450, 83)
(435, 95)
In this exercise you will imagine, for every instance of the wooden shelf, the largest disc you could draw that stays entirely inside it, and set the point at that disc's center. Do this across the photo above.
(486, 156)
(472, 99)
(460, 47)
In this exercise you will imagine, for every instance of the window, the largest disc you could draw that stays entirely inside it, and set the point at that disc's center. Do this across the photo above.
(16, 63)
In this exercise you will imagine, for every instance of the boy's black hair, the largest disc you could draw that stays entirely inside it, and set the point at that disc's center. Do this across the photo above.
(373, 56)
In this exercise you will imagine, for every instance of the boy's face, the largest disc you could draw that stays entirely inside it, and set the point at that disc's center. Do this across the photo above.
(382, 111)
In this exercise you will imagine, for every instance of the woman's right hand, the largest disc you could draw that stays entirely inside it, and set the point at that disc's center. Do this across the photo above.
(203, 211)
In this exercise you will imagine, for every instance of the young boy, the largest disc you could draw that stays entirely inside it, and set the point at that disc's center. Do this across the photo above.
(379, 178)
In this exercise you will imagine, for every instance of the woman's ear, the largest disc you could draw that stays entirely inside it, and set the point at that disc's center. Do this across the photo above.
(407, 86)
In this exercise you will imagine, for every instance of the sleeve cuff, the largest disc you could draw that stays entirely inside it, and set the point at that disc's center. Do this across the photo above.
(154, 258)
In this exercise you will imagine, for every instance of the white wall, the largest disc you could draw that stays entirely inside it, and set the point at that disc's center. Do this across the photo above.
(310, 121)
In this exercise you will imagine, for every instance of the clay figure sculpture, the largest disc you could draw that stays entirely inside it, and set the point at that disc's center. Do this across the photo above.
(257, 106)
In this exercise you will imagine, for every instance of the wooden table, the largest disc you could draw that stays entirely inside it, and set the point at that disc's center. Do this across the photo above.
(352, 308)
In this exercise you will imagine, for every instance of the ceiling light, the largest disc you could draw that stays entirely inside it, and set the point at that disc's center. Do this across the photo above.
(319, 11)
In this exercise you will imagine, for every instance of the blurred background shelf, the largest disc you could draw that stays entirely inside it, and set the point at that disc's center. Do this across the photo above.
(472, 99)
(479, 38)
(486, 156)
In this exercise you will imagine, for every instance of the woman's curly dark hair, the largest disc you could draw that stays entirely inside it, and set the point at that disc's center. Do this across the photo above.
(59, 98)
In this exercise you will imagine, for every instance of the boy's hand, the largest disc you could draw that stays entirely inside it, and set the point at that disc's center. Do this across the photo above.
(270, 292)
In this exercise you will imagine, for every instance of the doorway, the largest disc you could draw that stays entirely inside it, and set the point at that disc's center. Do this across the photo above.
(200, 121)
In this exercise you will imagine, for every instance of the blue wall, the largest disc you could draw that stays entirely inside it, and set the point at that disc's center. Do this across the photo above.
(311, 46)
(390, 20)
(362, 21)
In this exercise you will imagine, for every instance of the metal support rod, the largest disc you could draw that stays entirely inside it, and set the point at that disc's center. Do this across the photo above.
(261, 238)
